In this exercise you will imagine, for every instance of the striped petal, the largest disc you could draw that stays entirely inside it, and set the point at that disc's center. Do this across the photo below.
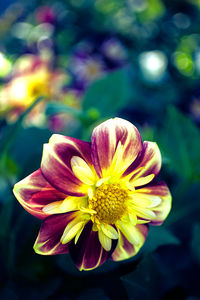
(163, 208)
(56, 163)
(115, 145)
(34, 193)
(147, 165)
(126, 249)
(48, 240)
(88, 252)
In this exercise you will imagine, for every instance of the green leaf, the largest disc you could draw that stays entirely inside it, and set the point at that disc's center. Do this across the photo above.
(185, 211)
(8, 166)
(143, 282)
(159, 236)
(5, 218)
(179, 142)
(147, 133)
(10, 133)
(109, 94)
(135, 291)
(54, 108)
(27, 148)
(93, 293)
(195, 243)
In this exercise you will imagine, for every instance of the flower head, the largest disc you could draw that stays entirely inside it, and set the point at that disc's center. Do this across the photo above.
(87, 69)
(96, 199)
(32, 77)
(45, 14)
(114, 50)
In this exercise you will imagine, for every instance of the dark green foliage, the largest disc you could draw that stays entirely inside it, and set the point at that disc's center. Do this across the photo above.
(168, 266)
(108, 95)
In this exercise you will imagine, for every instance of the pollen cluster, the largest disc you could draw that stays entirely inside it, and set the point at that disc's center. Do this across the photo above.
(109, 203)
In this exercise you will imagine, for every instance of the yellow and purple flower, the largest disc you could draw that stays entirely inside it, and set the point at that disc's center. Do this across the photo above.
(32, 77)
(96, 199)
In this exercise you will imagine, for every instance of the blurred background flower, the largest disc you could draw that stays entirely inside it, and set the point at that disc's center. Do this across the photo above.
(30, 79)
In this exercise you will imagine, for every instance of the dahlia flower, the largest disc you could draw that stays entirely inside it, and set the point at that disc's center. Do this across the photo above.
(31, 78)
(96, 199)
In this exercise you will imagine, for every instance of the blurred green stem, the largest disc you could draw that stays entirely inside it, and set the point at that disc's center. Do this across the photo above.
(8, 235)
(8, 140)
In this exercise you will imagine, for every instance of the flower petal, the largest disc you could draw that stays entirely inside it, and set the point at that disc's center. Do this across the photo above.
(129, 231)
(142, 180)
(82, 171)
(145, 200)
(56, 163)
(74, 227)
(48, 240)
(68, 204)
(34, 193)
(69, 234)
(115, 145)
(141, 212)
(105, 241)
(160, 190)
(125, 249)
(88, 253)
(149, 162)
(109, 230)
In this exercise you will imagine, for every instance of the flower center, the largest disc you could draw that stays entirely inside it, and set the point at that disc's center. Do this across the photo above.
(109, 203)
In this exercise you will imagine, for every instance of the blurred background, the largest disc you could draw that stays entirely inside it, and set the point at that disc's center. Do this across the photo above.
(92, 60)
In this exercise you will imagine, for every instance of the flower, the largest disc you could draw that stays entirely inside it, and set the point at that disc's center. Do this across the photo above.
(114, 50)
(195, 109)
(96, 199)
(5, 65)
(94, 58)
(32, 77)
(87, 69)
(45, 14)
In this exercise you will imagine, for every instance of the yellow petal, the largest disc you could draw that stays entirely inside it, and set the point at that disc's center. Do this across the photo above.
(82, 171)
(78, 235)
(90, 193)
(73, 203)
(133, 218)
(105, 241)
(88, 210)
(143, 212)
(71, 231)
(52, 208)
(145, 200)
(143, 221)
(142, 180)
(102, 180)
(129, 231)
(158, 190)
(110, 231)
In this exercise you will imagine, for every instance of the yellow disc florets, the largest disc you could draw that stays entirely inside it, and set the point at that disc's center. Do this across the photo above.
(109, 203)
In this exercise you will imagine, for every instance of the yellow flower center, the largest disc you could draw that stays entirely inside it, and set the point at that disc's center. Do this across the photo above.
(109, 203)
